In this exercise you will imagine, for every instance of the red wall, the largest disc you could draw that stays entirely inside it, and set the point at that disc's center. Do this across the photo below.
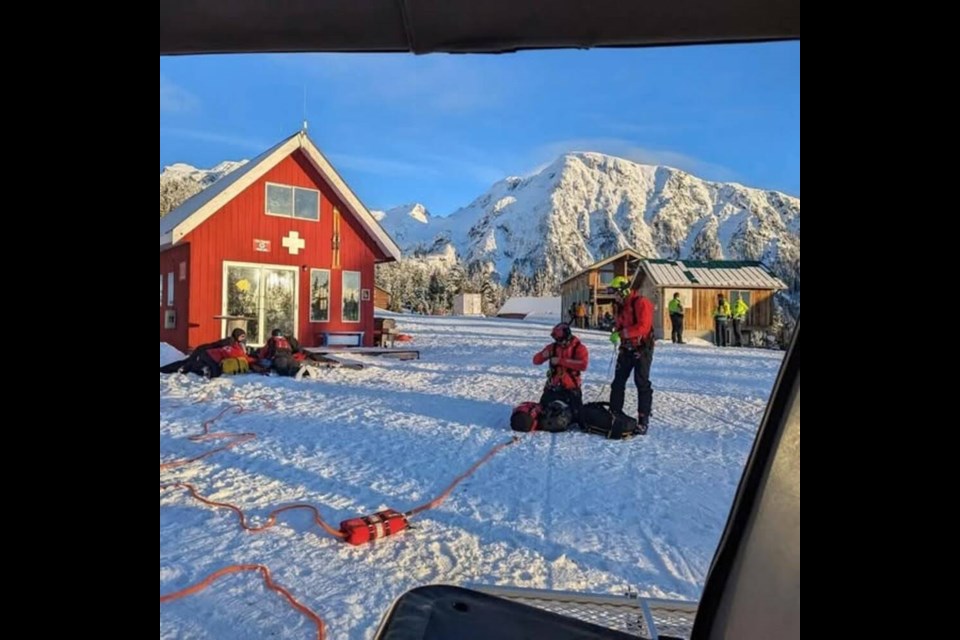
(170, 261)
(228, 235)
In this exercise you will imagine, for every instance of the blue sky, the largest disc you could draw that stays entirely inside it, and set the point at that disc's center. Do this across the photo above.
(440, 129)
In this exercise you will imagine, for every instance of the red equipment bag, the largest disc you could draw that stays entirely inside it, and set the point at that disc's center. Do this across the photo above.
(368, 528)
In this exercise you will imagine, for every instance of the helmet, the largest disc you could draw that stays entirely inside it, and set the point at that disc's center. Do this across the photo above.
(620, 283)
(275, 333)
(561, 332)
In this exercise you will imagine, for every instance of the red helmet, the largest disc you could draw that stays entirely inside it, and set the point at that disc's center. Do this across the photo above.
(561, 332)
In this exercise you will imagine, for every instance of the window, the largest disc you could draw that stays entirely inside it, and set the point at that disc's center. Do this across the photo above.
(351, 296)
(170, 289)
(293, 202)
(263, 297)
(319, 295)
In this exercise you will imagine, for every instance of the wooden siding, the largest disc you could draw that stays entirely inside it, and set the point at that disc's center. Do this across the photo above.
(170, 262)
(229, 235)
(588, 288)
(381, 298)
(698, 319)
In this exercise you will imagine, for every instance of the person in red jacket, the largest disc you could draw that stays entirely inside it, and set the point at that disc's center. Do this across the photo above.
(568, 358)
(205, 359)
(633, 332)
(213, 356)
(277, 355)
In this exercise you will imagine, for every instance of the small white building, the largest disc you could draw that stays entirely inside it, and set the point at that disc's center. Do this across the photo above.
(546, 309)
(467, 304)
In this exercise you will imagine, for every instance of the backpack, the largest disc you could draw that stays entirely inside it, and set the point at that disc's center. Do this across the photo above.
(285, 365)
(234, 366)
(294, 344)
(556, 416)
(596, 418)
(281, 346)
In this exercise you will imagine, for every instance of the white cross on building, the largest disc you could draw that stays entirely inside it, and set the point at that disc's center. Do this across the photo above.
(293, 242)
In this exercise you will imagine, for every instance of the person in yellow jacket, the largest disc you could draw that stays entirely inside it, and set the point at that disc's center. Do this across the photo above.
(721, 319)
(676, 318)
(739, 315)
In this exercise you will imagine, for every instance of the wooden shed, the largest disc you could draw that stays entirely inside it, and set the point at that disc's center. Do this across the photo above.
(699, 283)
(589, 287)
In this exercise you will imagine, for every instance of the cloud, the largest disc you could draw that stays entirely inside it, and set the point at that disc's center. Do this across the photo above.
(216, 138)
(382, 167)
(481, 172)
(644, 155)
(176, 99)
(432, 83)
(421, 165)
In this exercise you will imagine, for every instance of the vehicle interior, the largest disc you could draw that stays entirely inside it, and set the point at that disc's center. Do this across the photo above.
(753, 587)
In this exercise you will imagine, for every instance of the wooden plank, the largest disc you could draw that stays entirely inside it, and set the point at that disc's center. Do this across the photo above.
(402, 353)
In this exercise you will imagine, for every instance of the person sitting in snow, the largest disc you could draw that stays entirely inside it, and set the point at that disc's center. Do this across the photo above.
(215, 358)
(568, 358)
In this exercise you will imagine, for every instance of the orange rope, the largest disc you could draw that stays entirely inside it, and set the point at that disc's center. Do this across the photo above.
(238, 438)
(336, 533)
(443, 496)
(267, 580)
(271, 518)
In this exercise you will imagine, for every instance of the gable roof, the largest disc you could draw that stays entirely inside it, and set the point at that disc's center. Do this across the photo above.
(604, 262)
(192, 213)
(733, 274)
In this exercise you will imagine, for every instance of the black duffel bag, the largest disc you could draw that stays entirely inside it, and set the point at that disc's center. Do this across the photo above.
(596, 417)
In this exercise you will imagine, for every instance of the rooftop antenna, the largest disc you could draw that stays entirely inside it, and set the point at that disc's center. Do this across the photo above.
(304, 129)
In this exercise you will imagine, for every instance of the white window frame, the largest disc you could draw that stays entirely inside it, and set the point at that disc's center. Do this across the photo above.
(260, 265)
(293, 210)
(343, 288)
(170, 289)
(329, 297)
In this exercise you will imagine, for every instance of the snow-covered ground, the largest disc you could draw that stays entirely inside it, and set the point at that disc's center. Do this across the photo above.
(564, 511)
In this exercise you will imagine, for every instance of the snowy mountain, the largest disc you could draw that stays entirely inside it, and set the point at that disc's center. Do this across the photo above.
(587, 206)
(410, 225)
(180, 181)
(581, 208)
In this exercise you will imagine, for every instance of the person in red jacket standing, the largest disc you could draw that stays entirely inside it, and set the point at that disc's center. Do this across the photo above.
(568, 358)
(633, 332)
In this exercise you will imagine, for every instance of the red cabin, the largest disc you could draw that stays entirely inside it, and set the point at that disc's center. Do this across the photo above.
(282, 242)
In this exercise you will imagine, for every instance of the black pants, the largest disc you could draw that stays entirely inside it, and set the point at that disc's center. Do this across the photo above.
(737, 332)
(676, 333)
(720, 331)
(638, 362)
(573, 398)
(194, 363)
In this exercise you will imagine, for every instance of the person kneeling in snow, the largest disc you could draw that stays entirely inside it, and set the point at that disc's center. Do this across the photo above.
(568, 358)
(277, 355)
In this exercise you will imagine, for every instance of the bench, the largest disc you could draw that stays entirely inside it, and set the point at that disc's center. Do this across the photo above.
(340, 338)
(384, 331)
